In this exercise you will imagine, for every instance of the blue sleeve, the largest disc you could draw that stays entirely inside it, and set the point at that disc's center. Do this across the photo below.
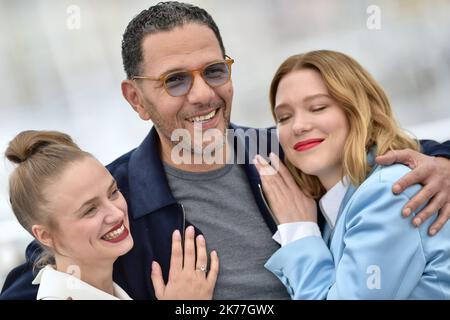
(382, 255)
(18, 285)
(433, 148)
(305, 267)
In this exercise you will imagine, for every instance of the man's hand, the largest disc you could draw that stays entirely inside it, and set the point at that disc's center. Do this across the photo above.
(287, 201)
(434, 174)
(188, 275)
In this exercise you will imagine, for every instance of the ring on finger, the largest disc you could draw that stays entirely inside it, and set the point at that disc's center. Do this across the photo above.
(202, 269)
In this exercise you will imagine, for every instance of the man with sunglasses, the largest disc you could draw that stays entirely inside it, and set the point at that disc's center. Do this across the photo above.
(179, 77)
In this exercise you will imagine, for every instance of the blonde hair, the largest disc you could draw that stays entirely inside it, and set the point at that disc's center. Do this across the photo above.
(365, 105)
(41, 157)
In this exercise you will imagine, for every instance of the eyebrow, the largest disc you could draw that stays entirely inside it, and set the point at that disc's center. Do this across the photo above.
(186, 69)
(90, 201)
(314, 96)
(306, 99)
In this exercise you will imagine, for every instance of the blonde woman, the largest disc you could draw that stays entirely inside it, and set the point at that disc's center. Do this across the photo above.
(333, 119)
(71, 204)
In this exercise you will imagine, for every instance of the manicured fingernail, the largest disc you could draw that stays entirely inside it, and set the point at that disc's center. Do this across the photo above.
(417, 221)
(396, 188)
(214, 253)
(177, 235)
(190, 230)
(406, 212)
(433, 232)
(259, 159)
(200, 237)
(154, 266)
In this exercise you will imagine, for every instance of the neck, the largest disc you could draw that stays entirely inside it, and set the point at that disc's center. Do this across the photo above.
(330, 178)
(194, 162)
(97, 275)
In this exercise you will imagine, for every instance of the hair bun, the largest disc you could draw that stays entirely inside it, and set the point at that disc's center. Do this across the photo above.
(27, 143)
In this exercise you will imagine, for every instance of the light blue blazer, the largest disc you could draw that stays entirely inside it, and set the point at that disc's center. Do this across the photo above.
(372, 253)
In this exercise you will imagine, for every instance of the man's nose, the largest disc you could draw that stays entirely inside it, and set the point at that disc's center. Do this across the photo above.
(201, 92)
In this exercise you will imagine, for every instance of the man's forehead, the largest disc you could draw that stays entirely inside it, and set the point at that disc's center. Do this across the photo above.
(187, 46)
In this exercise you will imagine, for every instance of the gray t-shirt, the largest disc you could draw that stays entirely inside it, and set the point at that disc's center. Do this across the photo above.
(221, 204)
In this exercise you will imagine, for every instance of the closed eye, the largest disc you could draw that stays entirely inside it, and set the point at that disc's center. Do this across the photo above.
(115, 193)
(282, 119)
(318, 108)
(90, 211)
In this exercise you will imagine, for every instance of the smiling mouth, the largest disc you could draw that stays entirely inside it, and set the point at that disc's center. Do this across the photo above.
(203, 118)
(116, 234)
(307, 144)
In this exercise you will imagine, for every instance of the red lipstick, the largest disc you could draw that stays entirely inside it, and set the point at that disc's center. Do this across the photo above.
(116, 237)
(307, 144)
(117, 226)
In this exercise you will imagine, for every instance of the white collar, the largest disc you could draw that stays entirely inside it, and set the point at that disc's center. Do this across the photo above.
(331, 201)
(54, 284)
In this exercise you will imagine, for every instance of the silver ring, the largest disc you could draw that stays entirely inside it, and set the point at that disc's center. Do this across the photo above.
(202, 268)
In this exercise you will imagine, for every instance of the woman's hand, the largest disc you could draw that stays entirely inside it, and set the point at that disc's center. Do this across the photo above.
(287, 201)
(188, 278)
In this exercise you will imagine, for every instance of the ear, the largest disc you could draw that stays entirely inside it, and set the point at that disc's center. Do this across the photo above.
(42, 234)
(133, 95)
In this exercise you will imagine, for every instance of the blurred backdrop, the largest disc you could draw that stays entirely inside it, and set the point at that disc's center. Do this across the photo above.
(60, 67)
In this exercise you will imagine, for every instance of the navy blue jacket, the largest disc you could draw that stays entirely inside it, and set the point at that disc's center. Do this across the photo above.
(154, 214)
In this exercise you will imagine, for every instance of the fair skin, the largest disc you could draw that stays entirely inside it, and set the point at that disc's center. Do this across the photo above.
(189, 47)
(301, 117)
(287, 201)
(87, 205)
(312, 131)
(183, 283)
(312, 127)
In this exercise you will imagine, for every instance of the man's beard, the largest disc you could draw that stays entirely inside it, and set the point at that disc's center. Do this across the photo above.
(204, 144)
